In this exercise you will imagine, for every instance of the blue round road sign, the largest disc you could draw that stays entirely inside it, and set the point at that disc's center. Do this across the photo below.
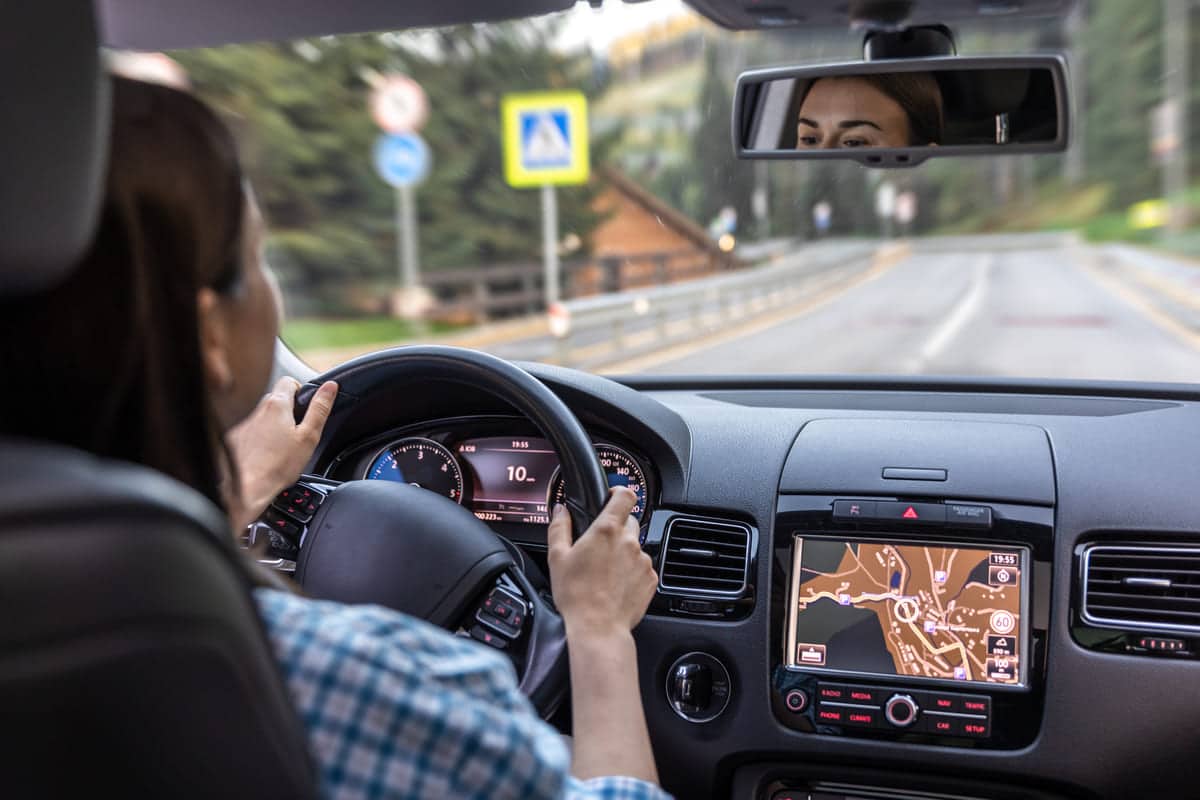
(401, 159)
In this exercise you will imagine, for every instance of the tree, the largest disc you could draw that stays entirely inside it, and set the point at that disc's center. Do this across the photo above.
(300, 114)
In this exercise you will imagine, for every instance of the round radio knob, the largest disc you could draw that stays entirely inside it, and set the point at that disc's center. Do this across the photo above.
(901, 710)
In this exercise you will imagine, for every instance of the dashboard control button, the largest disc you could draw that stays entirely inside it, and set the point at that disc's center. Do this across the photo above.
(832, 715)
(901, 710)
(912, 513)
(796, 701)
(862, 717)
(961, 516)
(943, 702)
(698, 687)
(943, 724)
(977, 704)
(851, 510)
(833, 692)
(977, 728)
(860, 694)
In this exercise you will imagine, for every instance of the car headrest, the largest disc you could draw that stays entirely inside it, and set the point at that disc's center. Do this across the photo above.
(54, 140)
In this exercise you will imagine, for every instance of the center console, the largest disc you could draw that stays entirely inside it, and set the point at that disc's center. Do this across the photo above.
(898, 624)
(910, 590)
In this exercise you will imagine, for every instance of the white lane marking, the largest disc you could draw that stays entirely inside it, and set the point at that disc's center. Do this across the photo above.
(965, 308)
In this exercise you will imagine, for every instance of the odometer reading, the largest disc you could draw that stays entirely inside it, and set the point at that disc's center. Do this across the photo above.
(621, 469)
(419, 462)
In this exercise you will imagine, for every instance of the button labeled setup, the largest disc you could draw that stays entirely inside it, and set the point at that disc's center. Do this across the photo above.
(977, 728)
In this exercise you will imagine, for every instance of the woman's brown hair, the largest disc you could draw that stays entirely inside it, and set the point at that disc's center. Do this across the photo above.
(919, 94)
(109, 361)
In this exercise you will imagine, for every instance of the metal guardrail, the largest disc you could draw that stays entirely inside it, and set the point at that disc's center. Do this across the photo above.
(598, 330)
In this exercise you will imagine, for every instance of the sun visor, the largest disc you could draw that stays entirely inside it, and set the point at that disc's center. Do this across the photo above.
(54, 140)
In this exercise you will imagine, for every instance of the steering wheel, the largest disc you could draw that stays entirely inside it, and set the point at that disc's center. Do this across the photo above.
(415, 551)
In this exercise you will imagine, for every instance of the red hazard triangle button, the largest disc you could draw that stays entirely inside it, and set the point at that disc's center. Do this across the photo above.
(910, 513)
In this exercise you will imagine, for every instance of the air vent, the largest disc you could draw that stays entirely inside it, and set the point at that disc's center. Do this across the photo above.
(1142, 587)
(705, 557)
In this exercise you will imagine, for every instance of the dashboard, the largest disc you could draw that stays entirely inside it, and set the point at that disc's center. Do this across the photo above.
(870, 588)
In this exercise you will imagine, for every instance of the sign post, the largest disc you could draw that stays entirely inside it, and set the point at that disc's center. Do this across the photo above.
(398, 105)
(546, 145)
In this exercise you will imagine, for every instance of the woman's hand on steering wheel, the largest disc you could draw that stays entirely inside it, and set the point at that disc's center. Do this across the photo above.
(603, 582)
(270, 449)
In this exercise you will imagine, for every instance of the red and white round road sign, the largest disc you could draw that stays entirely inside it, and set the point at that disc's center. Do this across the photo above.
(399, 105)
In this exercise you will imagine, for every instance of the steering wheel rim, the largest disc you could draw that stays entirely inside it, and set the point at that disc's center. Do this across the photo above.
(586, 487)
(355, 516)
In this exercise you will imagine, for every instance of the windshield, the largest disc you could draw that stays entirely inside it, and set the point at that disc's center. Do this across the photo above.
(563, 189)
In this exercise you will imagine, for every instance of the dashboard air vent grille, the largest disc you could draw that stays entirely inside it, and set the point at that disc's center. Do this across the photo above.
(1142, 587)
(705, 557)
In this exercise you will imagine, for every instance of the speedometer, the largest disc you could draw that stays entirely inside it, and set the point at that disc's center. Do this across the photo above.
(420, 462)
(621, 469)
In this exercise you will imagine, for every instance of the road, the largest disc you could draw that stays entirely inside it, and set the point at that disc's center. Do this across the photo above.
(1064, 312)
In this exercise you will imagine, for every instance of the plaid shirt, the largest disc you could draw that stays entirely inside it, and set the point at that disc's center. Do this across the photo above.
(397, 708)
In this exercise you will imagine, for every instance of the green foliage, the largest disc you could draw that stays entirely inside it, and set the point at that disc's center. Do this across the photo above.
(300, 113)
(313, 333)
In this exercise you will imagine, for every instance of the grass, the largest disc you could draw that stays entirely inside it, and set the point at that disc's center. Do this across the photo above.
(314, 333)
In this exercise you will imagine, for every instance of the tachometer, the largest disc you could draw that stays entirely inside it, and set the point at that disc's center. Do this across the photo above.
(621, 469)
(420, 462)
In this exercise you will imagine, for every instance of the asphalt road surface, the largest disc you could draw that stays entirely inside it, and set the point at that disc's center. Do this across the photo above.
(1062, 312)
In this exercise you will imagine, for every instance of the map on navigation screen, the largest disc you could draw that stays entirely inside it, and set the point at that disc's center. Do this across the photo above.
(946, 612)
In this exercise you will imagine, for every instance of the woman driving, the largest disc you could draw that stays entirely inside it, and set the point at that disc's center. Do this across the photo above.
(167, 330)
(878, 110)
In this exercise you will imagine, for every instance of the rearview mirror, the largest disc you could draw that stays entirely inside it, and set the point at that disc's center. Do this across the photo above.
(901, 112)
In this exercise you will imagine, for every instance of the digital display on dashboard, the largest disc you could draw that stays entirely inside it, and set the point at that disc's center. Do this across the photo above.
(944, 612)
(511, 478)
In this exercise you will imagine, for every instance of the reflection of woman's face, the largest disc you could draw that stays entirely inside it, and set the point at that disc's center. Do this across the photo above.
(849, 112)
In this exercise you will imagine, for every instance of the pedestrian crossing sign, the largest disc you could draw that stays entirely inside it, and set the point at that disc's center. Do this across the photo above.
(545, 139)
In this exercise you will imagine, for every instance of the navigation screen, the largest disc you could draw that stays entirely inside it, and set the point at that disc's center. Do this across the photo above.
(941, 612)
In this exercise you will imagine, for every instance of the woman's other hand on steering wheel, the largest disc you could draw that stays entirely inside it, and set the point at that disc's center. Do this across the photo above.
(603, 582)
(270, 448)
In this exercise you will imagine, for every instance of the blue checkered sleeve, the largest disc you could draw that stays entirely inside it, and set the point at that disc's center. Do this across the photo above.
(396, 708)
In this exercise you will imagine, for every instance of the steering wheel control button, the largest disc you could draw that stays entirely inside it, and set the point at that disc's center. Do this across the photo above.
(698, 687)
(482, 634)
(300, 502)
(901, 710)
(503, 613)
(282, 525)
(796, 701)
